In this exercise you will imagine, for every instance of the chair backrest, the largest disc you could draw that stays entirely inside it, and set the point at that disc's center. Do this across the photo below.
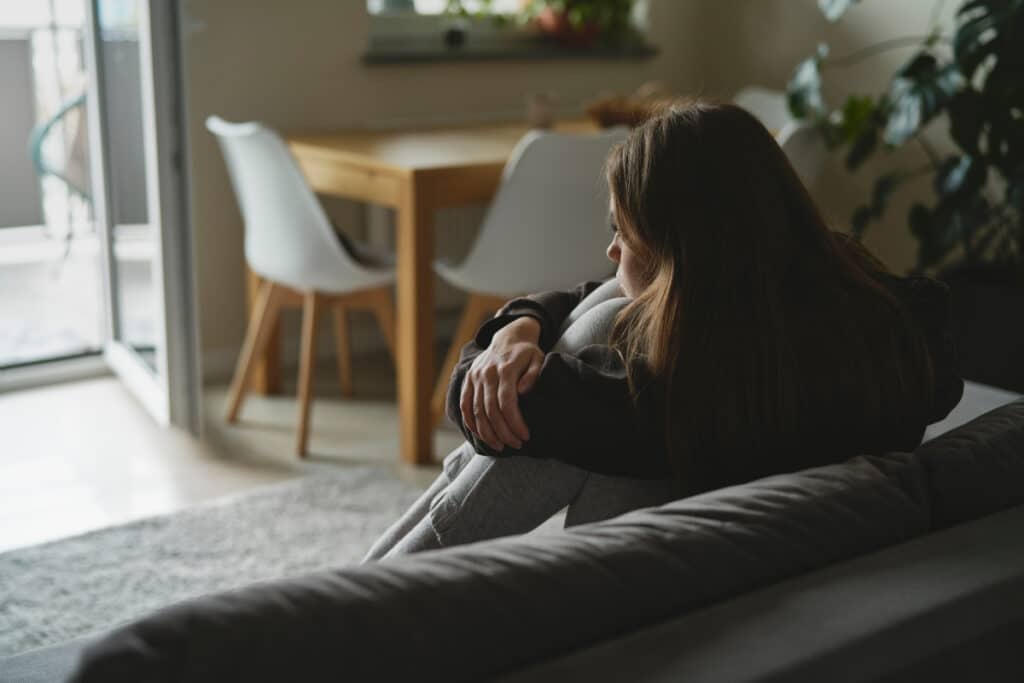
(805, 149)
(546, 227)
(288, 237)
(769, 106)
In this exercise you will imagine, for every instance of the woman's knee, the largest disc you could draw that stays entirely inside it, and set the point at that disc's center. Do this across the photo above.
(492, 497)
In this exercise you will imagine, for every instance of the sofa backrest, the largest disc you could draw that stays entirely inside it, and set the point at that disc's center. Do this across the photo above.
(470, 612)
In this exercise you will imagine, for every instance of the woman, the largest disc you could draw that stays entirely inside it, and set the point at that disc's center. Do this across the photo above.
(756, 342)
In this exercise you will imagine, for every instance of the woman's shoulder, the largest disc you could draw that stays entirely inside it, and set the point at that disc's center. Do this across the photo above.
(925, 298)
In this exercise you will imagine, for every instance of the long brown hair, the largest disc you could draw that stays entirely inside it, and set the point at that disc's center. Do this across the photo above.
(759, 326)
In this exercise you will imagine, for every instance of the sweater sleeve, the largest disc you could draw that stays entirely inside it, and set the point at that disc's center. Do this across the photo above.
(929, 303)
(550, 309)
(581, 411)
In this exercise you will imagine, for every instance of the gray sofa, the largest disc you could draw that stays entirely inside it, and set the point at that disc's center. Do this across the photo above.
(901, 567)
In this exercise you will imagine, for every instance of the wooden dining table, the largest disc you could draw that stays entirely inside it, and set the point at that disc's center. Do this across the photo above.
(415, 172)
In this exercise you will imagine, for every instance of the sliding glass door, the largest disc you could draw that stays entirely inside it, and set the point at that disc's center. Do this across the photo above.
(135, 114)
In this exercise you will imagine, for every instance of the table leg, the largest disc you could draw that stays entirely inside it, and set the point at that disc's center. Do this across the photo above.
(415, 310)
(266, 374)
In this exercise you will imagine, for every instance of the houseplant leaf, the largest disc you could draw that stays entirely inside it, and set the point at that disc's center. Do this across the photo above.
(857, 123)
(884, 186)
(803, 92)
(918, 92)
(966, 117)
(960, 176)
(979, 33)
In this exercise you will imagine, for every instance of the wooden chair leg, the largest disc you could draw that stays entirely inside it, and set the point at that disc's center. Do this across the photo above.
(342, 343)
(257, 336)
(477, 307)
(384, 311)
(310, 313)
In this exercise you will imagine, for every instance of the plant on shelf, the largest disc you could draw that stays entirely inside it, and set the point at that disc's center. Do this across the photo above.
(972, 81)
(576, 23)
(581, 23)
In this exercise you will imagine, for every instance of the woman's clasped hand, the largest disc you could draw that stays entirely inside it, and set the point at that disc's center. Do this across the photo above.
(490, 393)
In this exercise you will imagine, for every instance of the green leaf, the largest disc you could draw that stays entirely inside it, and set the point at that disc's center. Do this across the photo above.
(857, 116)
(960, 176)
(862, 217)
(1015, 190)
(834, 9)
(803, 92)
(884, 186)
(919, 91)
(919, 220)
(861, 149)
(966, 112)
(979, 31)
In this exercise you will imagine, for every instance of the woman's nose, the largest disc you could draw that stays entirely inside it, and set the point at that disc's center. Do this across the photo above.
(613, 251)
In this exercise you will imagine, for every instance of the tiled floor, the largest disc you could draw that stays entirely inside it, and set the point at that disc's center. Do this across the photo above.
(84, 455)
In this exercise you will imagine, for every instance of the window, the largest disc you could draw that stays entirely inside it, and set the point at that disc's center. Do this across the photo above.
(469, 30)
(439, 6)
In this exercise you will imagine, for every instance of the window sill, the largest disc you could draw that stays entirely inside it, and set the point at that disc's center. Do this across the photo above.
(432, 53)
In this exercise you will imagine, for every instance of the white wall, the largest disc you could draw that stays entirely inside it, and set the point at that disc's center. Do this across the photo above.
(296, 66)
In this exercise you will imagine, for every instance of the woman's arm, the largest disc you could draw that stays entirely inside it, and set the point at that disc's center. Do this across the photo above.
(550, 309)
(517, 356)
(579, 410)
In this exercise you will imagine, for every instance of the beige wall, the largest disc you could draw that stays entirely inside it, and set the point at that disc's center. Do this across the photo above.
(760, 41)
(297, 65)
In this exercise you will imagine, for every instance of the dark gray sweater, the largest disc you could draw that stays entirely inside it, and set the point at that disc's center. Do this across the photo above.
(580, 409)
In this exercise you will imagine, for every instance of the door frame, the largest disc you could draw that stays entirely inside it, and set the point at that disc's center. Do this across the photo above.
(172, 395)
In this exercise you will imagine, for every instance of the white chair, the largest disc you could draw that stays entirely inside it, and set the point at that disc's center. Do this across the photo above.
(769, 106)
(291, 244)
(544, 230)
(800, 141)
(805, 149)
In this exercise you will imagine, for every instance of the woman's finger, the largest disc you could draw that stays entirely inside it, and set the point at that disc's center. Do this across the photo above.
(483, 425)
(466, 405)
(495, 417)
(530, 376)
(508, 404)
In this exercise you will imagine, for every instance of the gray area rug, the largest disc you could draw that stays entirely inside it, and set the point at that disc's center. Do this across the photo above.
(57, 591)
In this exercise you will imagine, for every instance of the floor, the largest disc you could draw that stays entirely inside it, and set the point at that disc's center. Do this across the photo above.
(85, 455)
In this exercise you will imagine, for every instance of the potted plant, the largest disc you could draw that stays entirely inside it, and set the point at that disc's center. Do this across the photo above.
(580, 23)
(570, 23)
(971, 233)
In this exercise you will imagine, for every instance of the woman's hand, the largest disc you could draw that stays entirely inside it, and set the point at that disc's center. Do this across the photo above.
(490, 392)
